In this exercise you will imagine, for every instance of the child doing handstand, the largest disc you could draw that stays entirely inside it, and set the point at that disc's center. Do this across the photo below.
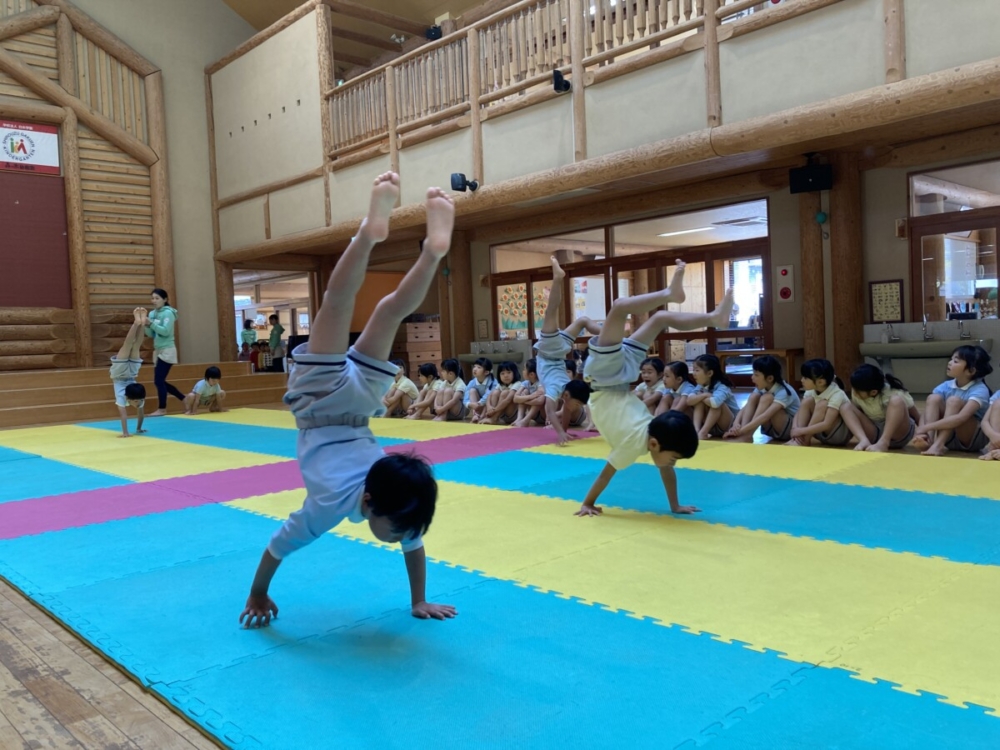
(956, 408)
(530, 398)
(125, 369)
(622, 419)
(334, 389)
(553, 348)
(574, 400)
(500, 406)
(772, 406)
(677, 386)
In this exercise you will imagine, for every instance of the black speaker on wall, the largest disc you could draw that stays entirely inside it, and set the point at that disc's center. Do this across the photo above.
(810, 179)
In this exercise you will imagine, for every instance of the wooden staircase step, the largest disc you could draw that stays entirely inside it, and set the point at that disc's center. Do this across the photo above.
(97, 375)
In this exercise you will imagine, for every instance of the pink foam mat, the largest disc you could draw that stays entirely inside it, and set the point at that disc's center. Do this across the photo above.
(76, 509)
(59, 512)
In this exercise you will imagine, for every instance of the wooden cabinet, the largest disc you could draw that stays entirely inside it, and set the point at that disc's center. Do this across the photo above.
(416, 344)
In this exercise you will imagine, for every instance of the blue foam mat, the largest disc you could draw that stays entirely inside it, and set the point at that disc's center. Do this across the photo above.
(272, 441)
(515, 470)
(25, 475)
(829, 708)
(957, 528)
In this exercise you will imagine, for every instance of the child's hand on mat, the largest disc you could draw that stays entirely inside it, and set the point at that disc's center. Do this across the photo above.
(589, 510)
(426, 611)
(684, 510)
(258, 612)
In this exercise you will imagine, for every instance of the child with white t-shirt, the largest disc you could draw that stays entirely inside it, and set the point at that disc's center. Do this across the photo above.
(333, 391)
(823, 414)
(402, 393)
(623, 420)
(887, 416)
(530, 397)
(430, 385)
(772, 406)
(450, 402)
(207, 393)
(500, 406)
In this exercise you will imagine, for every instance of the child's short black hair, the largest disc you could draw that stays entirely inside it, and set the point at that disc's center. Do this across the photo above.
(452, 365)
(655, 362)
(272, 316)
(213, 373)
(570, 365)
(511, 368)
(531, 366)
(485, 362)
(135, 392)
(399, 363)
(429, 370)
(402, 488)
(675, 431)
(579, 390)
(255, 344)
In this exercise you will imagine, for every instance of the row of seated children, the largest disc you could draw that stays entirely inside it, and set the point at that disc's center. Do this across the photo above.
(505, 399)
(961, 413)
(125, 366)
(258, 354)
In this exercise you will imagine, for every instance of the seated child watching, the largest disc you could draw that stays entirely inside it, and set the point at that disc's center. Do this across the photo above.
(530, 399)
(678, 385)
(479, 388)
(449, 404)
(430, 386)
(956, 408)
(613, 365)
(714, 404)
(650, 391)
(887, 416)
(333, 391)
(825, 412)
(500, 406)
(402, 394)
(124, 371)
(772, 406)
(206, 393)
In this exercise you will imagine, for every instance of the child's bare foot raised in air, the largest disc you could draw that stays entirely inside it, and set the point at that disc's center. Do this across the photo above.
(385, 195)
(440, 221)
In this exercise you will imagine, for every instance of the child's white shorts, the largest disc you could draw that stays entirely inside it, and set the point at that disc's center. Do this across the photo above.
(553, 348)
(323, 388)
(123, 374)
(616, 364)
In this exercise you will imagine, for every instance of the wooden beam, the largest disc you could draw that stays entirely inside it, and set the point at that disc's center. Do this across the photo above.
(244, 277)
(75, 237)
(895, 41)
(27, 316)
(713, 74)
(100, 124)
(460, 281)
(159, 184)
(364, 13)
(476, 119)
(963, 145)
(813, 294)
(484, 11)
(262, 36)
(354, 59)
(28, 109)
(29, 20)
(771, 16)
(371, 41)
(324, 28)
(576, 32)
(846, 259)
(103, 38)
(228, 350)
(66, 53)
(271, 187)
(285, 263)
(967, 196)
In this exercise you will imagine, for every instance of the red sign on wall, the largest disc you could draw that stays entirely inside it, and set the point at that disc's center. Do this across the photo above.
(29, 147)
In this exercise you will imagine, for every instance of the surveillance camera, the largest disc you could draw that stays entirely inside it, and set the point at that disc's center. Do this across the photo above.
(460, 183)
(559, 83)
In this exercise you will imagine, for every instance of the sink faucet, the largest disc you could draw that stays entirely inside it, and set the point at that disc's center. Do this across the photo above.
(927, 336)
(893, 338)
(962, 333)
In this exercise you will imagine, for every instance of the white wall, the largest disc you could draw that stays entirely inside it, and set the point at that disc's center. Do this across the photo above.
(941, 35)
(181, 37)
(783, 225)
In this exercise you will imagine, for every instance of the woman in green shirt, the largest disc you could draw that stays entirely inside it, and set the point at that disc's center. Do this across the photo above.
(160, 325)
(275, 341)
(248, 335)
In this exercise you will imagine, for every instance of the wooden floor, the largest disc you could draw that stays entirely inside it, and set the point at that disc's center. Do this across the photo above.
(56, 692)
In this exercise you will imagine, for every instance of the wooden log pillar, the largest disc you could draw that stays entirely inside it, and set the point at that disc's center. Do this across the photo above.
(895, 41)
(448, 347)
(460, 281)
(713, 75)
(846, 260)
(324, 25)
(163, 243)
(66, 51)
(476, 114)
(228, 350)
(77, 247)
(813, 294)
(577, 30)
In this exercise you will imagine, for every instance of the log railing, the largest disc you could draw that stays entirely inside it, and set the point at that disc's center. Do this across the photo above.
(497, 62)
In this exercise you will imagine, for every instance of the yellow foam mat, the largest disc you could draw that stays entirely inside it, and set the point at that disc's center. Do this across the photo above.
(963, 476)
(255, 417)
(141, 458)
(809, 599)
